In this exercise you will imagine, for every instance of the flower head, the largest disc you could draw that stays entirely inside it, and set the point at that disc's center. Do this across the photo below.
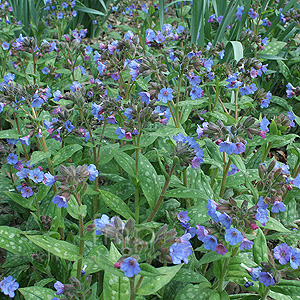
(8, 286)
(165, 95)
(233, 236)
(130, 267)
(60, 287)
(60, 201)
(282, 252)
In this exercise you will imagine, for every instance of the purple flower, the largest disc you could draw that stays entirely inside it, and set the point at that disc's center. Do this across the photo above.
(219, 19)
(221, 249)
(201, 232)
(145, 97)
(252, 13)
(150, 35)
(282, 252)
(233, 236)
(212, 210)
(101, 223)
(207, 64)
(8, 286)
(111, 119)
(23, 173)
(233, 170)
(36, 175)
(165, 95)
(130, 267)
(227, 147)
(179, 138)
(69, 126)
(93, 172)
(144, 8)
(12, 159)
(127, 113)
(263, 125)
(183, 217)
(60, 288)
(160, 38)
(222, 53)
(194, 79)
(246, 244)
(210, 242)
(24, 140)
(240, 148)
(254, 272)
(278, 206)
(295, 259)
(225, 220)
(60, 201)
(26, 192)
(129, 35)
(266, 278)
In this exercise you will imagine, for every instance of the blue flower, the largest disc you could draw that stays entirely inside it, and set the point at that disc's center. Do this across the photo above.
(5, 46)
(252, 13)
(129, 35)
(60, 16)
(227, 147)
(127, 113)
(60, 288)
(233, 170)
(246, 244)
(201, 232)
(180, 29)
(183, 217)
(36, 175)
(75, 86)
(196, 93)
(283, 253)
(266, 278)
(101, 223)
(8, 286)
(144, 8)
(263, 125)
(165, 95)
(12, 159)
(57, 96)
(225, 220)
(295, 259)
(222, 53)
(233, 236)
(207, 64)
(69, 126)
(49, 179)
(60, 201)
(130, 267)
(45, 70)
(23, 173)
(181, 250)
(239, 13)
(233, 83)
(180, 137)
(26, 192)
(145, 97)
(254, 272)
(212, 210)
(120, 132)
(210, 242)
(262, 212)
(93, 172)
(150, 35)
(278, 206)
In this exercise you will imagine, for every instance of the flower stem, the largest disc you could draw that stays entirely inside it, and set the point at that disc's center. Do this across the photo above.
(265, 294)
(267, 152)
(225, 171)
(132, 288)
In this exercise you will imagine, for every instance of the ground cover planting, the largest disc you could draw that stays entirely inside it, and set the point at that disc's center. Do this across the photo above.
(149, 150)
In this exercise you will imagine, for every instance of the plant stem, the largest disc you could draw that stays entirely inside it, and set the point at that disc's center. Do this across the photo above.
(184, 173)
(236, 105)
(225, 171)
(161, 196)
(81, 245)
(37, 207)
(137, 189)
(132, 289)
(265, 294)
(217, 91)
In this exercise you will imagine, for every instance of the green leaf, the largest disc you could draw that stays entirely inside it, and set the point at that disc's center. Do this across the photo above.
(59, 248)
(149, 180)
(273, 48)
(273, 224)
(260, 248)
(37, 293)
(27, 203)
(150, 285)
(126, 162)
(284, 70)
(190, 291)
(90, 10)
(38, 156)
(89, 261)
(115, 287)
(9, 134)
(116, 204)
(43, 282)
(13, 241)
(188, 275)
(75, 210)
(237, 50)
(65, 153)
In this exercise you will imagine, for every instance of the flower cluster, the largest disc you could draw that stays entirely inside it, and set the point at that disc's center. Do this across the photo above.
(8, 286)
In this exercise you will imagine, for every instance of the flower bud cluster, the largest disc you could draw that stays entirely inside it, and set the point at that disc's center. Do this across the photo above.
(274, 182)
